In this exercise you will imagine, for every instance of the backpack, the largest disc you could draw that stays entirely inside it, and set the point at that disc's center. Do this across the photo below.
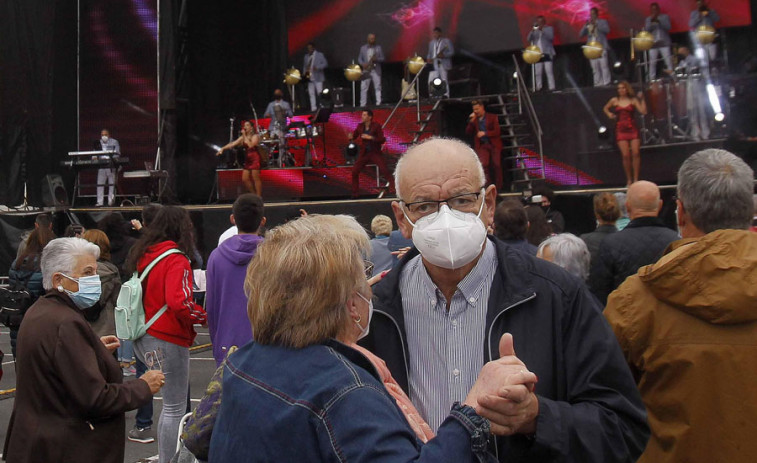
(15, 300)
(129, 311)
(13, 305)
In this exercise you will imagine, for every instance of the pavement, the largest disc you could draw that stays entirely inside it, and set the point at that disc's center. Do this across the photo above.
(201, 368)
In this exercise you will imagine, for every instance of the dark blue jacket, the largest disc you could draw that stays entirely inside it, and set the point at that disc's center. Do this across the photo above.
(322, 403)
(622, 254)
(589, 407)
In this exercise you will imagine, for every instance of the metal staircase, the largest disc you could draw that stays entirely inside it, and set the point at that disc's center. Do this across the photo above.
(521, 135)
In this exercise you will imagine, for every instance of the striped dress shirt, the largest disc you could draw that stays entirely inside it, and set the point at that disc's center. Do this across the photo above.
(445, 346)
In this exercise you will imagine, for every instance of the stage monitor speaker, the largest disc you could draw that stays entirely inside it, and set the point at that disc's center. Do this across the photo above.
(54, 191)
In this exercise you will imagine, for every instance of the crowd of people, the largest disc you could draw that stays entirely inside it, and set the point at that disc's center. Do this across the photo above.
(477, 330)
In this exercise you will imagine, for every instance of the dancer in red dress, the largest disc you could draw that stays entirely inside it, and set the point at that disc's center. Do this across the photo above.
(252, 161)
(625, 106)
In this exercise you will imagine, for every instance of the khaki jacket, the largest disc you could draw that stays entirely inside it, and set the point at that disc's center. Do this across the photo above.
(688, 328)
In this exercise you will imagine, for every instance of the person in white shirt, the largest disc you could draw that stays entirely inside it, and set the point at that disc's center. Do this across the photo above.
(543, 36)
(107, 175)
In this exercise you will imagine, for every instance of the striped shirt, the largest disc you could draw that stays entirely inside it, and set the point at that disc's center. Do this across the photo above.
(445, 347)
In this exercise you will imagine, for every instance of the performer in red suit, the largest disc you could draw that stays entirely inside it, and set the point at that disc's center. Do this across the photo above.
(487, 141)
(370, 136)
(252, 161)
(625, 106)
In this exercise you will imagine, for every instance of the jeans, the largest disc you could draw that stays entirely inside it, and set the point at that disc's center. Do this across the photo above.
(144, 413)
(175, 367)
(126, 351)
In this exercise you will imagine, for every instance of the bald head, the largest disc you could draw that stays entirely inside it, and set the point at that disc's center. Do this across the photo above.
(643, 200)
(437, 159)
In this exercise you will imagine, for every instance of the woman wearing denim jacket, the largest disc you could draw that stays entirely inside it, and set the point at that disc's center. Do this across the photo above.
(296, 393)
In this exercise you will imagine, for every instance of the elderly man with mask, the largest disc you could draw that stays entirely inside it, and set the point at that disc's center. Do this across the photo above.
(440, 314)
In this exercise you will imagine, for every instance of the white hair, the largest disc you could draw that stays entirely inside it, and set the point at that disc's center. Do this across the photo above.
(463, 148)
(569, 252)
(61, 254)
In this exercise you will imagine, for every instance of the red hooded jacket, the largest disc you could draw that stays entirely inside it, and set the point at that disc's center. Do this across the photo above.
(170, 283)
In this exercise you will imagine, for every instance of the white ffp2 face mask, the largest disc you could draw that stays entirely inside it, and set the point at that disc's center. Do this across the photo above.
(364, 331)
(448, 238)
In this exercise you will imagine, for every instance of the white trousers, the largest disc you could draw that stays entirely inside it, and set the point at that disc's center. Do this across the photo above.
(376, 79)
(653, 53)
(313, 88)
(539, 69)
(441, 73)
(600, 70)
(106, 176)
(696, 103)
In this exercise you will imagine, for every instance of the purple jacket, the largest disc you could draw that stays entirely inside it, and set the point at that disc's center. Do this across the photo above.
(225, 301)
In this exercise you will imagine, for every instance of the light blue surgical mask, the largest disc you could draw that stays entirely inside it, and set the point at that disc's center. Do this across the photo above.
(89, 292)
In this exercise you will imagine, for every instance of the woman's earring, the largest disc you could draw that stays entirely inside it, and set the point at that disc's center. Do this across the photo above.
(359, 319)
(60, 288)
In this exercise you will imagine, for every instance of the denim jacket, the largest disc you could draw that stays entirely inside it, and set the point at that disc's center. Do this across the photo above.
(324, 403)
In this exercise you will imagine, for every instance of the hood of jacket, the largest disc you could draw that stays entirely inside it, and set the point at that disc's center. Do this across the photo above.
(153, 252)
(711, 278)
(239, 249)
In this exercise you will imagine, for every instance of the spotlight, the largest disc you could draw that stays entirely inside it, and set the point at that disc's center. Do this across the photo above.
(617, 64)
(326, 98)
(438, 88)
(719, 117)
(515, 75)
(350, 152)
(604, 138)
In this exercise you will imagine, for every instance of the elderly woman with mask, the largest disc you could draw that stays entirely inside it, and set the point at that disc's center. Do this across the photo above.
(300, 392)
(70, 395)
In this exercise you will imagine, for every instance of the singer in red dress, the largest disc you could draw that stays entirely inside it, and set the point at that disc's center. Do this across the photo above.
(252, 163)
(622, 109)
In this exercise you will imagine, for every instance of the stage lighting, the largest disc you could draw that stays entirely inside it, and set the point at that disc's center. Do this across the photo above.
(601, 131)
(617, 64)
(719, 117)
(350, 152)
(604, 138)
(326, 98)
(515, 75)
(438, 88)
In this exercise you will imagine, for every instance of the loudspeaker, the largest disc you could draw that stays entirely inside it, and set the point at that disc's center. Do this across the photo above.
(54, 191)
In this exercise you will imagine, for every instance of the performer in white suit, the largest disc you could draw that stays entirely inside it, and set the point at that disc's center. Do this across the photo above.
(659, 26)
(543, 36)
(370, 59)
(440, 51)
(313, 66)
(597, 29)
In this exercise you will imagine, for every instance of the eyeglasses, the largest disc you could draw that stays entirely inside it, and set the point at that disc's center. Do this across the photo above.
(465, 202)
(368, 267)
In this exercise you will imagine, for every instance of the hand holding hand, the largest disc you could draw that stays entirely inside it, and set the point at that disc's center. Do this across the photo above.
(155, 379)
(110, 342)
(503, 393)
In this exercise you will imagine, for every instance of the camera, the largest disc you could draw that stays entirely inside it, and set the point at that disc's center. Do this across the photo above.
(536, 199)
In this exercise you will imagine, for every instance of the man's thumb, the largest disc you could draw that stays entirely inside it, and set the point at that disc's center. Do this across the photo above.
(506, 345)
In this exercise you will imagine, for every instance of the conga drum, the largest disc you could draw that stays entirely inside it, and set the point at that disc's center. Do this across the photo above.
(678, 98)
(657, 100)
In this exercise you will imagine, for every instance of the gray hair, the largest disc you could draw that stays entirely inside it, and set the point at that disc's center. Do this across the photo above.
(463, 147)
(716, 189)
(569, 252)
(61, 254)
